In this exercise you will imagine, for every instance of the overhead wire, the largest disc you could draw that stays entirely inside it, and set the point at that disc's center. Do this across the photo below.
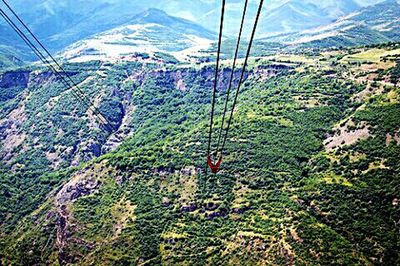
(79, 94)
(232, 73)
(216, 76)
(242, 75)
(30, 44)
(45, 49)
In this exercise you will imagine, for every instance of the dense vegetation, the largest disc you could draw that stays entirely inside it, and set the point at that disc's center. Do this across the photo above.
(284, 195)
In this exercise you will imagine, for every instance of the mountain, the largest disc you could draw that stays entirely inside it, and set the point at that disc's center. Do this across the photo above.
(309, 175)
(61, 23)
(148, 32)
(310, 171)
(383, 17)
(280, 16)
(369, 25)
(335, 9)
(292, 16)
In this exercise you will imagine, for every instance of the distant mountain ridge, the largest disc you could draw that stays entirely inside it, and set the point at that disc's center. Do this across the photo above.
(60, 24)
(157, 16)
(297, 15)
(152, 31)
(369, 25)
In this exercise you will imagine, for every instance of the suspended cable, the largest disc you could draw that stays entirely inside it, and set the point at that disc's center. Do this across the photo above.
(45, 49)
(33, 48)
(78, 93)
(216, 76)
(242, 74)
(232, 73)
(39, 54)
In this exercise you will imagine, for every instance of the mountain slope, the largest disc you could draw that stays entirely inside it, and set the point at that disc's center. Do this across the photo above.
(310, 174)
(383, 17)
(149, 32)
(335, 9)
(370, 25)
(295, 15)
(60, 23)
(277, 16)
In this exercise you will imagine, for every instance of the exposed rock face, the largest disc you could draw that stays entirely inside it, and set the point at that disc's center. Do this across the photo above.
(85, 151)
(42, 77)
(182, 78)
(123, 131)
(81, 185)
(268, 71)
(14, 79)
(344, 136)
(395, 138)
(76, 190)
(11, 136)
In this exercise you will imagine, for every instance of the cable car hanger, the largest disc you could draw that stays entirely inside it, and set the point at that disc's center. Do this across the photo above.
(215, 167)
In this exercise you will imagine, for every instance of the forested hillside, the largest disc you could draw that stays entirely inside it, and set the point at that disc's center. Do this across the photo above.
(310, 175)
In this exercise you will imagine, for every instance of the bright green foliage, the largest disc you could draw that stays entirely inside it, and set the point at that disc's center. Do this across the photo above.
(282, 198)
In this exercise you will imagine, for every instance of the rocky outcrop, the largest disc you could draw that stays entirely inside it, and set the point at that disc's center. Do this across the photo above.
(14, 79)
(267, 71)
(41, 78)
(123, 131)
(85, 151)
(11, 135)
(346, 136)
(80, 185)
(75, 190)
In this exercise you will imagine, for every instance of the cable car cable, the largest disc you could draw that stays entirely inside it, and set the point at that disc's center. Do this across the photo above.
(39, 54)
(216, 77)
(83, 98)
(232, 73)
(242, 74)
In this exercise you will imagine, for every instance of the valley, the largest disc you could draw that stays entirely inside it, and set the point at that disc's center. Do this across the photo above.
(110, 168)
(300, 182)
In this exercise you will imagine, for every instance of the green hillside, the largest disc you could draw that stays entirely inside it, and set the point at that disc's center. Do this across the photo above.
(310, 175)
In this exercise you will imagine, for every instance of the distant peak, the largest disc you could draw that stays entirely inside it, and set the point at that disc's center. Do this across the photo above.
(154, 11)
(152, 15)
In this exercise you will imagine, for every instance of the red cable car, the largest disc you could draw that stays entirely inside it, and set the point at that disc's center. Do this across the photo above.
(214, 167)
